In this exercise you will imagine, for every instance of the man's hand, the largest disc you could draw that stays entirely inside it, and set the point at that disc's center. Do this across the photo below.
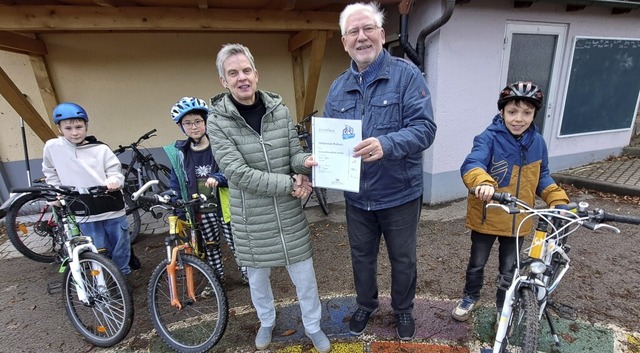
(369, 149)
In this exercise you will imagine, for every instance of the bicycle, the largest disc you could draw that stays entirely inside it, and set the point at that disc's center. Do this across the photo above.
(187, 303)
(540, 268)
(96, 295)
(142, 168)
(305, 141)
(33, 224)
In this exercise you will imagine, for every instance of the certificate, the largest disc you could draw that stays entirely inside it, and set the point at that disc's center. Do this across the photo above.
(333, 143)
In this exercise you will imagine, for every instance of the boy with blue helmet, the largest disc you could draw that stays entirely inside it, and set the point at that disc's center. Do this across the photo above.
(194, 171)
(82, 161)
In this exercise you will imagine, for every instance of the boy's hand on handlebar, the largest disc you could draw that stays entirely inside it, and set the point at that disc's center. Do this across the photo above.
(211, 183)
(484, 192)
(112, 185)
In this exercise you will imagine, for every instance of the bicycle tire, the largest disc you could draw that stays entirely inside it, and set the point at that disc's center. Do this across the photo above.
(108, 317)
(199, 325)
(133, 216)
(321, 197)
(31, 228)
(524, 328)
(163, 174)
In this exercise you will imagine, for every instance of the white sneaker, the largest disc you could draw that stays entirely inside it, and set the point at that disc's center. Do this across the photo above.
(320, 341)
(464, 308)
(263, 337)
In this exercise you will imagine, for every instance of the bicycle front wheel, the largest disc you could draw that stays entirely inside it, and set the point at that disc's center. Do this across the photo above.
(202, 320)
(106, 317)
(524, 328)
(31, 228)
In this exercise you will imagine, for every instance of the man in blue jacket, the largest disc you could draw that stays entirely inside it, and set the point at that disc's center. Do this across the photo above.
(391, 97)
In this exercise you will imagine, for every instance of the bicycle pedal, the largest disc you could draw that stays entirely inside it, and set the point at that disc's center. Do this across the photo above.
(54, 288)
(564, 311)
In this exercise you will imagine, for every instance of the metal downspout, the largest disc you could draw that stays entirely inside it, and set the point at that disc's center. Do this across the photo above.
(418, 56)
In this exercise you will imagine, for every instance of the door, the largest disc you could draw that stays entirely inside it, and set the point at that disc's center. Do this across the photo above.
(532, 53)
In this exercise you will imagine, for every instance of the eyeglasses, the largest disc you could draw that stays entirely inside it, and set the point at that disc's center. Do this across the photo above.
(188, 124)
(353, 32)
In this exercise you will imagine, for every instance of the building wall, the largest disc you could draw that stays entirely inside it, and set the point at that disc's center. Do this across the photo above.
(128, 83)
(464, 66)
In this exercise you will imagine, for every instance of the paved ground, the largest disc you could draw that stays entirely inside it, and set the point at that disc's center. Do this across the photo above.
(435, 331)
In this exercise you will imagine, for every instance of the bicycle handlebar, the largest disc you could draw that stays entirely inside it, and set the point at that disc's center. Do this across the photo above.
(63, 189)
(306, 118)
(146, 136)
(598, 215)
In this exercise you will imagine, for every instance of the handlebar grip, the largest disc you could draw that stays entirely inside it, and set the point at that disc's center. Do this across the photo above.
(501, 197)
(612, 217)
(28, 189)
(98, 189)
(148, 134)
(154, 199)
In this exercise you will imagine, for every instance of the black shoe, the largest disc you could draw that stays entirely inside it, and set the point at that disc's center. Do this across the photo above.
(134, 261)
(405, 326)
(358, 322)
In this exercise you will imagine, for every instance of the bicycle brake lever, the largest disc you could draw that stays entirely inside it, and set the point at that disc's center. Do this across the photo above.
(144, 188)
(595, 226)
(507, 209)
(606, 227)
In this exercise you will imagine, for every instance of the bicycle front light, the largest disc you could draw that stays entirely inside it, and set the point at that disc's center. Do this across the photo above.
(537, 267)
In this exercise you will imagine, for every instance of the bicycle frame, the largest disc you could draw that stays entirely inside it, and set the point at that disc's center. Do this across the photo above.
(547, 261)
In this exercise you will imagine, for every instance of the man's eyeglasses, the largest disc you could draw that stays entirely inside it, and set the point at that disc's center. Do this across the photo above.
(353, 32)
(188, 124)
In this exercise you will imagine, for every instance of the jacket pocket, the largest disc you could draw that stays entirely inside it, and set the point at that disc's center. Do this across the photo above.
(385, 110)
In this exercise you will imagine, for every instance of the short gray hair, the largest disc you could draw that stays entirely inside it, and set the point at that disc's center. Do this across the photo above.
(229, 50)
(372, 7)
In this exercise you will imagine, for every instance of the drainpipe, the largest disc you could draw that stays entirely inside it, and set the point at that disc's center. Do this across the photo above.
(418, 56)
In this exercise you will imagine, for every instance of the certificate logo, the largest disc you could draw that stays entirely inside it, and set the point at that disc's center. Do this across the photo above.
(347, 132)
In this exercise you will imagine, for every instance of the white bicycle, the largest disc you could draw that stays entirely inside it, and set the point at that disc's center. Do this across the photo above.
(539, 272)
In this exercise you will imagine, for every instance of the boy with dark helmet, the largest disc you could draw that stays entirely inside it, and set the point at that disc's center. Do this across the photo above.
(509, 156)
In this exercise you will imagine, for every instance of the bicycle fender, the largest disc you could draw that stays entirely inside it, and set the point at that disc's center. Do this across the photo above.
(12, 199)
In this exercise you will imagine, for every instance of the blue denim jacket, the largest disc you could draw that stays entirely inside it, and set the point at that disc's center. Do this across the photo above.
(395, 107)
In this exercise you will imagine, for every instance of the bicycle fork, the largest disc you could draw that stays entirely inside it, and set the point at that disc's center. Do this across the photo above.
(76, 271)
(172, 257)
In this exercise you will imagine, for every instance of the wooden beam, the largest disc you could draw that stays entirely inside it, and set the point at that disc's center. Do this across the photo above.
(21, 105)
(43, 79)
(94, 18)
(313, 72)
(203, 4)
(301, 38)
(20, 44)
(298, 82)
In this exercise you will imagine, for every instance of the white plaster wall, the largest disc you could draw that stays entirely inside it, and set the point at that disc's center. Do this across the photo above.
(128, 82)
(464, 66)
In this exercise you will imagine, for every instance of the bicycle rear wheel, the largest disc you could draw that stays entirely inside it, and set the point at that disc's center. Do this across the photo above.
(106, 318)
(321, 197)
(524, 328)
(202, 320)
(32, 229)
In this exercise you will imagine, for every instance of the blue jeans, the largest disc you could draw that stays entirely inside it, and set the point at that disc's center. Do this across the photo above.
(399, 226)
(481, 245)
(113, 235)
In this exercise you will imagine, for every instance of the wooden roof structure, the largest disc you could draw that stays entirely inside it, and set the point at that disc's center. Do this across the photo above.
(310, 23)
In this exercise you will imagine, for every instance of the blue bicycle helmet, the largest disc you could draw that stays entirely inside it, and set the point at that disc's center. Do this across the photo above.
(68, 110)
(188, 105)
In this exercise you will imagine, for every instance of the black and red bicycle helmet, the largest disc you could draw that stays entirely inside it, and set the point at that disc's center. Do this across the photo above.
(525, 90)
